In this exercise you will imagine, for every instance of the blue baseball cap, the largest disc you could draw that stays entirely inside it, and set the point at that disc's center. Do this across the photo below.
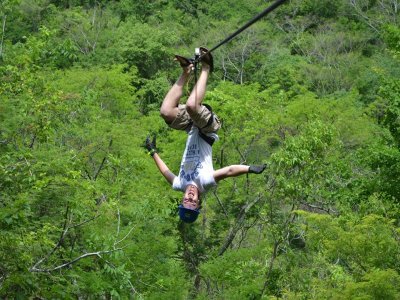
(188, 215)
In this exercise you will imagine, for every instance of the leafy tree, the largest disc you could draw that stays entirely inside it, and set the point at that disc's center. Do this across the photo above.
(311, 90)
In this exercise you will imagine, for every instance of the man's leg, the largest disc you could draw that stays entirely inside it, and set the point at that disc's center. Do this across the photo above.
(169, 108)
(194, 107)
(193, 104)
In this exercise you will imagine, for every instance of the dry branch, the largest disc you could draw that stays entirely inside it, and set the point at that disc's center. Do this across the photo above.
(237, 225)
(2, 36)
(98, 253)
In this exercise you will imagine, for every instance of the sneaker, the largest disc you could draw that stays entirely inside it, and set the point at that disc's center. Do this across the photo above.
(183, 61)
(206, 58)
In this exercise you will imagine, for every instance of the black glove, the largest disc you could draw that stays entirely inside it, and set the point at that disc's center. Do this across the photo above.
(257, 169)
(151, 145)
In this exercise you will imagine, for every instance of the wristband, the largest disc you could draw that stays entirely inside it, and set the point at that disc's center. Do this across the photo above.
(152, 152)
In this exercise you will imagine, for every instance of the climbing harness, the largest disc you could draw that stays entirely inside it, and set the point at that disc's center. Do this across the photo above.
(198, 56)
(205, 137)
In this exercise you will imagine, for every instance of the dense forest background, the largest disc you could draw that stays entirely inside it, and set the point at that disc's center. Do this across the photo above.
(312, 90)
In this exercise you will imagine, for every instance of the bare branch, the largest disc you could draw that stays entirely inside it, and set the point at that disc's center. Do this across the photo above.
(245, 229)
(271, 265)
(277, 243)
(126, 235)
(98, 254)
(94, 16)
(119, 222)
(237, 225)
(133, 290)
(66, 227)
(60, 240)
(32, 141)
(360, 13)
(2, 36)
(220, 203)
(88, 174)
(102, 162)
(84, 222)
(243, 158)
(319, 208)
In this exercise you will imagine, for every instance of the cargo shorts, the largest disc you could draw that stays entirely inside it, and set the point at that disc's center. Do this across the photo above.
(201, 120)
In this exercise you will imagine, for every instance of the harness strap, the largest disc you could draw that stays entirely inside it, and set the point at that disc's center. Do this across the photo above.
(211, 119)
(208, 139)
(205, 137)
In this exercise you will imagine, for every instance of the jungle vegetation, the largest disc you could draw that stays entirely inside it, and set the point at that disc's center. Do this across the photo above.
(312, 90)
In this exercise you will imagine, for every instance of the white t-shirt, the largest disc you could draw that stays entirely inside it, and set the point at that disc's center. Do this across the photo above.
(196, 166)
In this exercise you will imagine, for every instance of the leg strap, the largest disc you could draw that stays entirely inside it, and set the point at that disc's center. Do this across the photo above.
(205, 137)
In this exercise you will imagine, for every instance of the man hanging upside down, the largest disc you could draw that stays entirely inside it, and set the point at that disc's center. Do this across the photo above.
(196, 173)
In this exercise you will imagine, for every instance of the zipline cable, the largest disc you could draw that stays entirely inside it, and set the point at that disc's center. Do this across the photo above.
(248, 24)
(198, 56)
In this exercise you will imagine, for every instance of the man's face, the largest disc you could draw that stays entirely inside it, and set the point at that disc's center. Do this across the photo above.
(191, 197)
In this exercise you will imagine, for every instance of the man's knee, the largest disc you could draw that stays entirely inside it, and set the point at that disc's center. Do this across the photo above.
(167, 114)
(192, 109)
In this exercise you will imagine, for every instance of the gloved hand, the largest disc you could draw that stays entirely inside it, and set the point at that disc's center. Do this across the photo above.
(257, 169)
(151, 145)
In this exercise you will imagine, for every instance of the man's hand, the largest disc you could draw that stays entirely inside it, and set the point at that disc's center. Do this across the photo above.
(257, 169)
(151, 145)
(187, 64)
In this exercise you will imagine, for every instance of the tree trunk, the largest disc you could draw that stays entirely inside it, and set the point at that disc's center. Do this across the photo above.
(2, 36)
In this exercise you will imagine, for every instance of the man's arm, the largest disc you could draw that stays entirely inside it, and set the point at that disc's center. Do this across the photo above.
(236, 170)
(164, 170)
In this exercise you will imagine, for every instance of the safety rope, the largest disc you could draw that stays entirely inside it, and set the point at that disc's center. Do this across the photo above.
(198, 55)
(245, 26)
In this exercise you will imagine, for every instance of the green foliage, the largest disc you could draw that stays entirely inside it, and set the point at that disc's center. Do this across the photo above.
(392, 37)
(390, 92)
(233, 275)
(228, 10)
(377, 284)
(147, 48)
(281, 71)
(311, 90)
(350, 252)
(384, 162)
(141, 10)
(325, 9)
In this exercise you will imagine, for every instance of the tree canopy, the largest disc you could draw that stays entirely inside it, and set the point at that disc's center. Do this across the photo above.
(312, 90)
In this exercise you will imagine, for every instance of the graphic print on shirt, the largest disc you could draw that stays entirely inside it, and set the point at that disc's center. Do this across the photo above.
(192, 163)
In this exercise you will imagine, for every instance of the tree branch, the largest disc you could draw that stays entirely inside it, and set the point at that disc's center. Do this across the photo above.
(220, 203)
(98, 253)
(84, 222)
(278, 241)
(133, 290)
(2, 36)
(126, 235)
(238, 224)
(363, 16)
(270, 265)
(320, 208)
(103, 161)
(60, 240)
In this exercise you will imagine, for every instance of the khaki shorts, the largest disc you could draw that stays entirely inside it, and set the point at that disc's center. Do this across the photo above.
(200, 120)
